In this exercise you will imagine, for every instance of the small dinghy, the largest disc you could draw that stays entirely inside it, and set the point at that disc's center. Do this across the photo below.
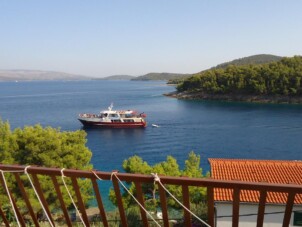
(155, 126)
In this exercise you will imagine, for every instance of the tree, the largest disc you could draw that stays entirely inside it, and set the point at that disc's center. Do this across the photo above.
(136, 164)
(7, 143)
(47, 147)
(170, 167)
(192, 169)
(276, 78)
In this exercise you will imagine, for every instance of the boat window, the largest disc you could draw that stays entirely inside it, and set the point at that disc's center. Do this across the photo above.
(113, 115)
(128, 120)
(115, 120)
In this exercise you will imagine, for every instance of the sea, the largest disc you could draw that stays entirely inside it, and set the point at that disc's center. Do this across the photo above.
(212, 129)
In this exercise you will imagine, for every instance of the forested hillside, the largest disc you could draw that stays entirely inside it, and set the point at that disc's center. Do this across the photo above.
(276, 78)
(160, 76)
(251, 60)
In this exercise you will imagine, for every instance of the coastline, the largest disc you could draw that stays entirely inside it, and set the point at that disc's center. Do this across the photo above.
(277, 99)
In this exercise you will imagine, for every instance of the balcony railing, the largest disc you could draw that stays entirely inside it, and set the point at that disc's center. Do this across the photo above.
(138, 180)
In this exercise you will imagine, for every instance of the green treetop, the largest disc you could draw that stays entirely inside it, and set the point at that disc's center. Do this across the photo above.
(170, 167)
(47, 147)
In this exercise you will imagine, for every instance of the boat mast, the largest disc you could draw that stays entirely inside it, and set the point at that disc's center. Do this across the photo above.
(110, 107)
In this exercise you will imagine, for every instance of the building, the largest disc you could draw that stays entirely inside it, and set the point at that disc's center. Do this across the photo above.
(268, 171)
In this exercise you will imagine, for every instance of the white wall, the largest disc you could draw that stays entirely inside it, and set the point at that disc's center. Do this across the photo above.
(270, 220)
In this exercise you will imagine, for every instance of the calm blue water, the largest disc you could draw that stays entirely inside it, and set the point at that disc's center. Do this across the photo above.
(211, 129)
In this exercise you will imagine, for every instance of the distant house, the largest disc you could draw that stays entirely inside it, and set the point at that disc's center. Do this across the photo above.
(279, 172)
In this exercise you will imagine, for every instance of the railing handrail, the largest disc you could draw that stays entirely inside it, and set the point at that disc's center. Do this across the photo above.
(236, 186)
(172, 180)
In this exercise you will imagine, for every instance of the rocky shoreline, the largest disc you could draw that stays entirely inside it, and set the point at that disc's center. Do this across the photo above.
(237, 97)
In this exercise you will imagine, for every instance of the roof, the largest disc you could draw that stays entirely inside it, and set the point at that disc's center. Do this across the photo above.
(270, 171)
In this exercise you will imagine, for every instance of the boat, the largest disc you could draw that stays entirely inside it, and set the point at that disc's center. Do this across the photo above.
(155, 126)
(114, 119)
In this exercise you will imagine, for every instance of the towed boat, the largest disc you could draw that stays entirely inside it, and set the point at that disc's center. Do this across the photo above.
(114, 119)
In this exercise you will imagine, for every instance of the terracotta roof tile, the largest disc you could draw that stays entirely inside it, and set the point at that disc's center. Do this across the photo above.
(271, 171)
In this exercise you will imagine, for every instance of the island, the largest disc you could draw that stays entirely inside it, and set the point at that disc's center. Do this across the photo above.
(275, 82)
(37, 75)
(160, 76)
(116, 77)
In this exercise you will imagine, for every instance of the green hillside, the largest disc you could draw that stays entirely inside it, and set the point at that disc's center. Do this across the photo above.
(282, 78)
(160, 76)
(117, 77)
(251, 60)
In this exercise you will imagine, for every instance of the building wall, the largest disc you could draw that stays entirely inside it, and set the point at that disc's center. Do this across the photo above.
(248, 214)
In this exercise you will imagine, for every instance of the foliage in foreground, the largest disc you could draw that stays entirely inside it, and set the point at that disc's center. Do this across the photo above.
(170, 167)
(47, 147)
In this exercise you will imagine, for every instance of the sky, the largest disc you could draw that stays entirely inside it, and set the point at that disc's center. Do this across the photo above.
(134, 37)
